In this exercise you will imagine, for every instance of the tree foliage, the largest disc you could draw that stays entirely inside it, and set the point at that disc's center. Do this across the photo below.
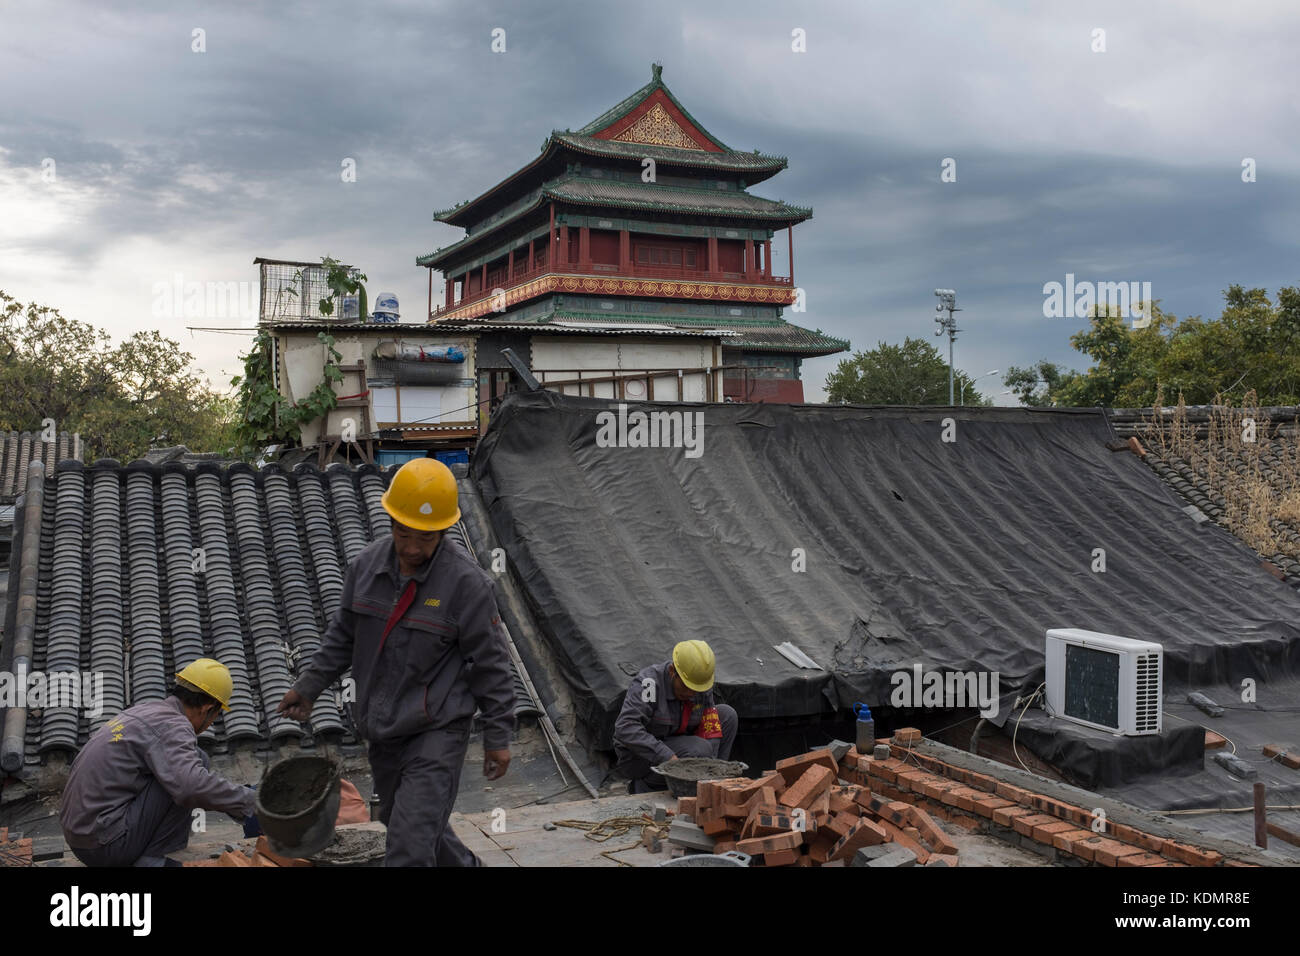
(121, 398)
(913, 373)
(1253, 346)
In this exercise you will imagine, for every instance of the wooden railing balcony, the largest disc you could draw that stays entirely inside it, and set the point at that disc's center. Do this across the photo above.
(608, 269)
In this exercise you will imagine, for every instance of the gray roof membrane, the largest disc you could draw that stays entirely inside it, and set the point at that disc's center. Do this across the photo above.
(872, 544)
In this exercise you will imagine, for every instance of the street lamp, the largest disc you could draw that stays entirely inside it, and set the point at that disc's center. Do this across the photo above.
(947, 302)
(973, 381)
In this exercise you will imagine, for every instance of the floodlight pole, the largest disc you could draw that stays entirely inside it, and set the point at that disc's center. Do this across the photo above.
(948, 302)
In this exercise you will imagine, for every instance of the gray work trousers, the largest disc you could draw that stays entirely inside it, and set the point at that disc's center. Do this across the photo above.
(155, 826)
(684, 745)
(417, 779)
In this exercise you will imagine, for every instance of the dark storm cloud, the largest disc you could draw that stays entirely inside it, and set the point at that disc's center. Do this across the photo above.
(1114, 166)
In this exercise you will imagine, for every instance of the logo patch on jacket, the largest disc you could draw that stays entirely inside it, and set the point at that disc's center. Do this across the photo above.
(432, 602)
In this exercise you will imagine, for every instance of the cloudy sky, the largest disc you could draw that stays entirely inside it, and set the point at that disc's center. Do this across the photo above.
(1102, 139)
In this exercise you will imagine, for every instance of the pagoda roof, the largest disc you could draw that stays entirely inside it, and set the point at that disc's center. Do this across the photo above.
(590, 191)
(771, 335)
(651, 123)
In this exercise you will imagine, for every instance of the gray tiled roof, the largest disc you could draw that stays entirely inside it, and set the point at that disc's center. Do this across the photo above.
(18, 450)
(124, 590)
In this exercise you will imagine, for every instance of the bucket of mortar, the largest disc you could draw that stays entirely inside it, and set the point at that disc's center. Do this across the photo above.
(297, 804)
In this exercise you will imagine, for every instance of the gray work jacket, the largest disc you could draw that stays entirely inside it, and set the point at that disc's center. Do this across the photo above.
(446, 656)
(643, 724)
(150, 740)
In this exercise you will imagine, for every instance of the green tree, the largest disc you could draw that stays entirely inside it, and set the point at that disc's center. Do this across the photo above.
(1253, 346)
(913, 373)
(122, 398)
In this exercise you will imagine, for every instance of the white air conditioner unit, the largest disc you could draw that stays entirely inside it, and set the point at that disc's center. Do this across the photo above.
(1100, 680)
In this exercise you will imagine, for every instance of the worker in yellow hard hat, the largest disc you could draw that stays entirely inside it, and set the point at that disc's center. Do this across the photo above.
(416, 610)
(132, 789)
(670, 712)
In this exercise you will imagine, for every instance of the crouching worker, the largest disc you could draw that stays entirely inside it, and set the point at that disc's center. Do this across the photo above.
(132, 788)
(669, 712)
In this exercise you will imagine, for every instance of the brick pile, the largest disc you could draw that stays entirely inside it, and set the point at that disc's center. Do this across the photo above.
(14, 852)
(803, 813)
(980, 803)
(262, 855)
(813, 810)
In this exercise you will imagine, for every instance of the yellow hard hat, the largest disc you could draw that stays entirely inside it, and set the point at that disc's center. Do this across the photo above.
(209, 676)
(422, 495)
(693, 661)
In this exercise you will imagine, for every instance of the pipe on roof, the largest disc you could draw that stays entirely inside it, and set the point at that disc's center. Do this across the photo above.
(15, 725)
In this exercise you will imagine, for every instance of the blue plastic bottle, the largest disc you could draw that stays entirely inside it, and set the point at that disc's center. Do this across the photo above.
(866, 729)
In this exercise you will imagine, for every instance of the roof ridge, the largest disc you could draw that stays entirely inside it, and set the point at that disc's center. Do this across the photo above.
(629, 103)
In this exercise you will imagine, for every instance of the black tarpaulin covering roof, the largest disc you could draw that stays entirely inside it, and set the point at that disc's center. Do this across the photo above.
(958, 554)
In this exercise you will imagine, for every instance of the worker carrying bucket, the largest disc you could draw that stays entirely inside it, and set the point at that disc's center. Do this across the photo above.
(669, 712)
(417, 623)
(132, 789)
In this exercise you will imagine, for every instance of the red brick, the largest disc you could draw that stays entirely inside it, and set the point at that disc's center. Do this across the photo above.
(947, 859)
(841, 823)
(819, 850)
(760, 824)
(686, 806)
(863, 833)
(906, 736)
(1108, 851)
(896, 835)
(930, 832)
(771, 844)
(981, 782)
(716, 826)
(963, 798)
(763, 796)
(1287, 755)
(792, 768)
(1215, 741)
(1007, 816)
(910, 780)
(879, 771)
(1045, 832)
(1025, 824)
(723, 846)
(841, 797)
(1142, 858)
(1067, 841)
(1191, 855)
(1127, 834)
(934, 786)
(814, 781)
(781, 858)
(967, 822)
(986, 803)
(1015, 794)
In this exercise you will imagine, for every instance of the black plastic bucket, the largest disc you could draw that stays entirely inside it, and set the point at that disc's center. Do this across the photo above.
(297, 804)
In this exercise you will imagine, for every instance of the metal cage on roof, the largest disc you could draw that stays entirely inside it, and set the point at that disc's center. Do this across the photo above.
(292, 291)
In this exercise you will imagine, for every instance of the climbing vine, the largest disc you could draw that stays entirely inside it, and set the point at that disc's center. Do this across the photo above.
(265, 416)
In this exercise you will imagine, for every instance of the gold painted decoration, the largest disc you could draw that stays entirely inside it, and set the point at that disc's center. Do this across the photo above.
(656, 128)
(669, 289)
